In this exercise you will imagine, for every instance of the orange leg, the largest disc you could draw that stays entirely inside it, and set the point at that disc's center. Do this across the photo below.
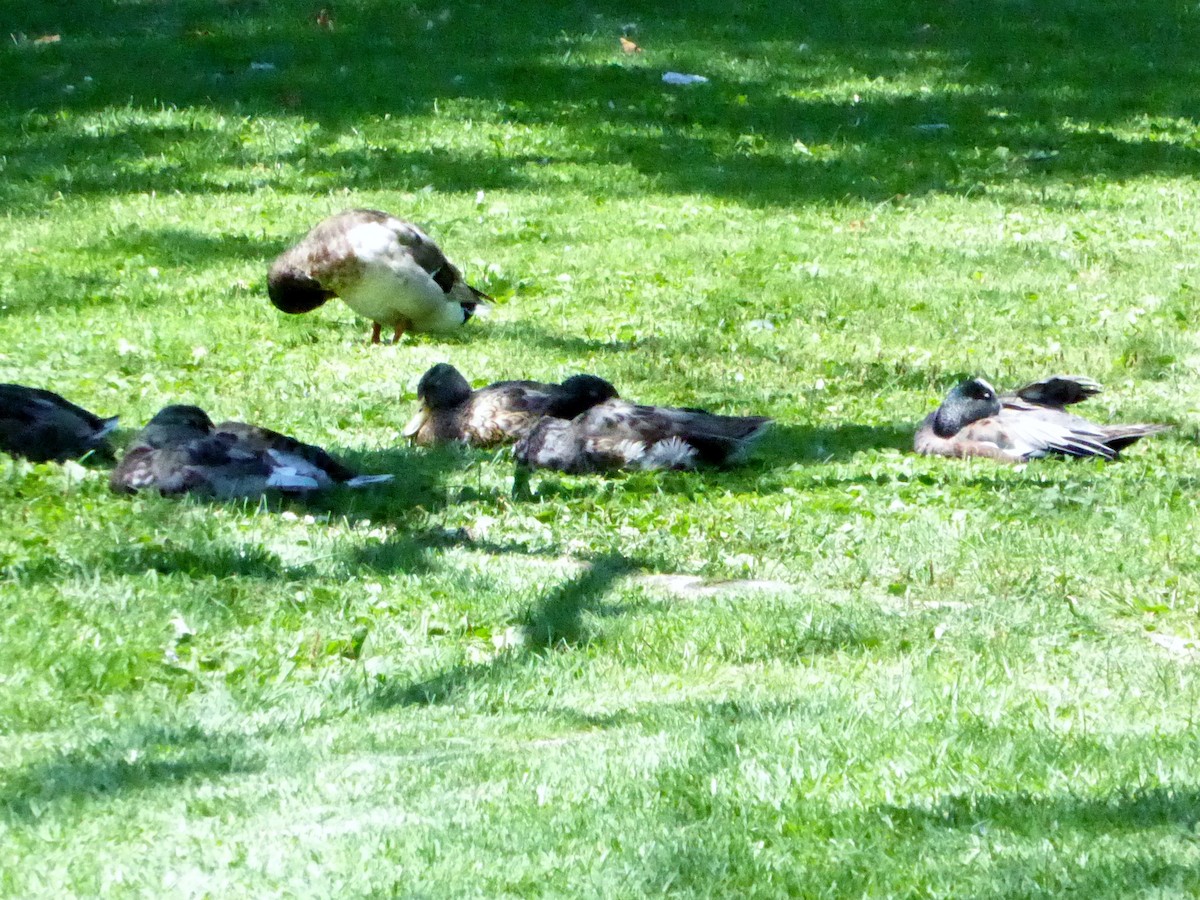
(400, 329)
(375, 331)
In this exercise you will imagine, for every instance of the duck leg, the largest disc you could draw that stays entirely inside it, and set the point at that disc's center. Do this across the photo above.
(402, 327)
(376, 329)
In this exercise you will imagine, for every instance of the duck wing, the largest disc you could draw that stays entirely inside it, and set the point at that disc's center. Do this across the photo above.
(1036, 431)
(555, 444)
(625, 434)
(287, 450)
(1056, 391)
(212, 464)
(505, 411)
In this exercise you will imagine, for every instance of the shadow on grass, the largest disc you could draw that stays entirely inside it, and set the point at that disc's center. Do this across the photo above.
(557, 621)
(203, 560)
(145, 759)
(1029, 815)
(782, 447)
(169, 247)
(901, 99)
(527, 334)
(786, 444)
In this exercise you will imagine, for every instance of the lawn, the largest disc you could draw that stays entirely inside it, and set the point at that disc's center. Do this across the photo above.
(837, 671)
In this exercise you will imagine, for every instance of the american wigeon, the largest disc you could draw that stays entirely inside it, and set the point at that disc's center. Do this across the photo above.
(1025, 424)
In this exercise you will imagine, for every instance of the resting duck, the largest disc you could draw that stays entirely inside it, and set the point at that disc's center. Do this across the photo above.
(41, 425)
(385, 269)
(181, 451)
(499, 413)
(1028, 423)
(620, 435)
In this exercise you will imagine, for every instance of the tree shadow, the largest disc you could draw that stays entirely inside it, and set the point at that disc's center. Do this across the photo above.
(1027, 814)
(148, 758)
(169, 247)
(785, 445)
(928, 98)
(526, 333)
(556, 622)
(206, 560)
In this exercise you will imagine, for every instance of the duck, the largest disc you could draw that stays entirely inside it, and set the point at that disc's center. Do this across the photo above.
(384, 268)
(617, 434)
(181, 451)
(500, 413)
(1028, 423)
(43, 426)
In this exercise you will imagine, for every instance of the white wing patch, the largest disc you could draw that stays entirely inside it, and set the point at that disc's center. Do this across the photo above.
(673, 453)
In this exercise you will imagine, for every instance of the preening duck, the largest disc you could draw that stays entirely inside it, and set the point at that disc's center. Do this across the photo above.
(1025, 424)
(500, 413)
(384, 268)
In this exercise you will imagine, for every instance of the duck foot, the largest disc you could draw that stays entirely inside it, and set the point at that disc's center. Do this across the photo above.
(376, 330)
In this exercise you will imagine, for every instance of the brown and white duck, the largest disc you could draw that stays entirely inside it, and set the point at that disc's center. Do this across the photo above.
(620, 435)
(500, 413)
(384, 268)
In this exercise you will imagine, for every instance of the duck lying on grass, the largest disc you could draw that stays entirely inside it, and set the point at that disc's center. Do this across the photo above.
(620, 435)
(1028, 423)
(181, 451)
(384, 268)
(499, 413)
(41, 425)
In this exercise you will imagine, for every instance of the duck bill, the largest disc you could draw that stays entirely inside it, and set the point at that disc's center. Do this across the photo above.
(415, 423)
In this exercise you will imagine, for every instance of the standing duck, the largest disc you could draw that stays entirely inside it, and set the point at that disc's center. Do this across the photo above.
(1025, 424)
(384, 268)
(499, 413)
(620, 435)
(181, 451)
(40, 425)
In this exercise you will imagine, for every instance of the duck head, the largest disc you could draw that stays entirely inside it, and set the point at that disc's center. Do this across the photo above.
(176, 424)
(442, 387)
(580, 393)
(967, 402)
(294, 292)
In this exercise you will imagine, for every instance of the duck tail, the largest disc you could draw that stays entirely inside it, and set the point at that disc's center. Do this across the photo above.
(363, 480)
(1118, 437)
(722, 440)
(475, 304)
(106, 427)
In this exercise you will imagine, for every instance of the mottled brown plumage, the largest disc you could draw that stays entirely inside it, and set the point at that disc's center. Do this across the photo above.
(384, 268)
(620, 435)
(499, 413)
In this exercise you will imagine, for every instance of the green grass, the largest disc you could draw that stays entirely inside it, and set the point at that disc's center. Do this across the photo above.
(915, 678)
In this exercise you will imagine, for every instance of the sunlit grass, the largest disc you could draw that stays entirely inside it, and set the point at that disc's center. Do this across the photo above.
(894, 677)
